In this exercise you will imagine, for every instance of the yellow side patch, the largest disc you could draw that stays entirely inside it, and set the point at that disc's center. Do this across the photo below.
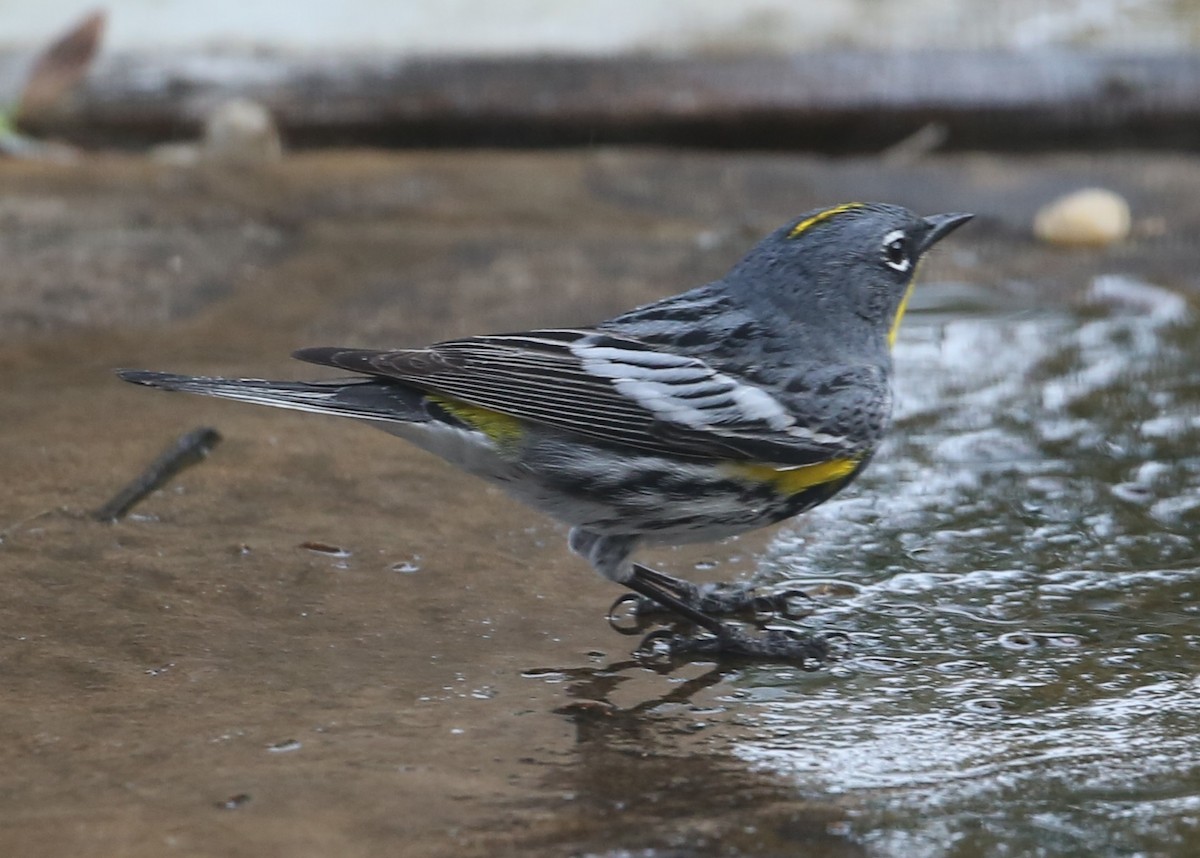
(791, 481)
(503, 429)
(820, 217)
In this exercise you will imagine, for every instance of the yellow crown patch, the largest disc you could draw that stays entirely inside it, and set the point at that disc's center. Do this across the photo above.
(820, 217)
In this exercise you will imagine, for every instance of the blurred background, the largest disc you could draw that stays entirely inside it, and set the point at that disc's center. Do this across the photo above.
(318, 641)
(621, 26)
(833, 77)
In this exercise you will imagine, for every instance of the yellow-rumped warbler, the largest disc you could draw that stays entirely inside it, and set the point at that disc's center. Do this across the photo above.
(732, 406)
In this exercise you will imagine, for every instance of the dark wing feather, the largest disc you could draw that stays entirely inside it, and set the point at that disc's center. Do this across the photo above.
(604, 395)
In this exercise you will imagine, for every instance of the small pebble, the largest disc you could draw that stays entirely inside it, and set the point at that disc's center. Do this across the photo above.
(176, 154)
(325, 548)
(241, 132)
(1092, 217)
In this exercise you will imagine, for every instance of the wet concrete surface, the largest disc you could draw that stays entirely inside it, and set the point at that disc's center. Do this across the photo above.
(1016, 572)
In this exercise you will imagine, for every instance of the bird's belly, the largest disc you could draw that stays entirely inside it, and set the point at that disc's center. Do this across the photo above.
(464, 448)
(662, 500)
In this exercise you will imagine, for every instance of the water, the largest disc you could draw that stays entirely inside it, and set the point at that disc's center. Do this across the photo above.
(1022, 568)
(321, 641)
(1017, 579)
(1015, 576)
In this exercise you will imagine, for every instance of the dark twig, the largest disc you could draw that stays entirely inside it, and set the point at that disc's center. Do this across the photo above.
(188, 450)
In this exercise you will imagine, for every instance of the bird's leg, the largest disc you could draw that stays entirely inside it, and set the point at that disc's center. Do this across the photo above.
(666, 597)
(610, 556)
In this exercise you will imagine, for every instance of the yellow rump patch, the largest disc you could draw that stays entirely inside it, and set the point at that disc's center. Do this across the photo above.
(793, 480)
(503, 429)
(820, 217)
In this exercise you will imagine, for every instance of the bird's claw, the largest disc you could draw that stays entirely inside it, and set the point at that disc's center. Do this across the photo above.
(626, 615)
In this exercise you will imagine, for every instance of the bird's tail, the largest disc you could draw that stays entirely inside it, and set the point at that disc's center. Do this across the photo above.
(362, 398)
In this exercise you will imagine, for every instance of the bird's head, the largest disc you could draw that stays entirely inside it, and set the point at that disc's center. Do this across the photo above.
(847, 269)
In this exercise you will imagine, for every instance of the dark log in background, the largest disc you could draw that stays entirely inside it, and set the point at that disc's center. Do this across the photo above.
(837, 102)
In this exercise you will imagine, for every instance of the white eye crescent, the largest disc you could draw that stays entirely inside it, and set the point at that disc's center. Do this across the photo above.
(895, 253)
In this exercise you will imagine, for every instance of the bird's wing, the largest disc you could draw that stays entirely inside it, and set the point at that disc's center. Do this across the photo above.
(612, 389)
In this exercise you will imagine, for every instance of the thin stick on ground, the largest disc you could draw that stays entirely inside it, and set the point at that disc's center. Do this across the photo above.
(185, 452)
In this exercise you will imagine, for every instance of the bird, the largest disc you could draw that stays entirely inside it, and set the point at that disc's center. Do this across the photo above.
(734, 405)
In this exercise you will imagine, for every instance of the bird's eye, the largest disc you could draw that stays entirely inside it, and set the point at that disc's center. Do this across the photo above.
(895, 254)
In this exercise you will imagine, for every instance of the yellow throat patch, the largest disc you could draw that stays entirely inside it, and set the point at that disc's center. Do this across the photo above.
(895, 328)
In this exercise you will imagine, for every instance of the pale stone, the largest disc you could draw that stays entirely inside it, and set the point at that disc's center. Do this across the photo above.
(241, 132)
(1092, 217)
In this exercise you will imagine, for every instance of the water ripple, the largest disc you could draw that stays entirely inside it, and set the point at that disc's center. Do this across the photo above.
(1018, 575)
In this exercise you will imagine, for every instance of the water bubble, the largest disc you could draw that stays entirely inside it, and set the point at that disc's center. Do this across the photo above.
(1152, 638)
(984, 705)
(1063, 641)
(1133, 493)
(1017, 641)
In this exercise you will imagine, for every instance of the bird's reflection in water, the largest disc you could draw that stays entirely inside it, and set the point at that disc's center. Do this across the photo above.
(652, 769)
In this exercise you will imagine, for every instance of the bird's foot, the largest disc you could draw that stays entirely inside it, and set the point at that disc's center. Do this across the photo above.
(808, 651)
(686, 602)
(712, 600)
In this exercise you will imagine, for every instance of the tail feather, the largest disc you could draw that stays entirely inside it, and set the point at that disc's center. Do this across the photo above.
(361, 398)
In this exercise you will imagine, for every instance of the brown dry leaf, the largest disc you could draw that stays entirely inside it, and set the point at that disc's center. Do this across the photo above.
(62, 65)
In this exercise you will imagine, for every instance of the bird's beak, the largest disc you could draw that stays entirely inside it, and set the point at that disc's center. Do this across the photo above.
(939, 226)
